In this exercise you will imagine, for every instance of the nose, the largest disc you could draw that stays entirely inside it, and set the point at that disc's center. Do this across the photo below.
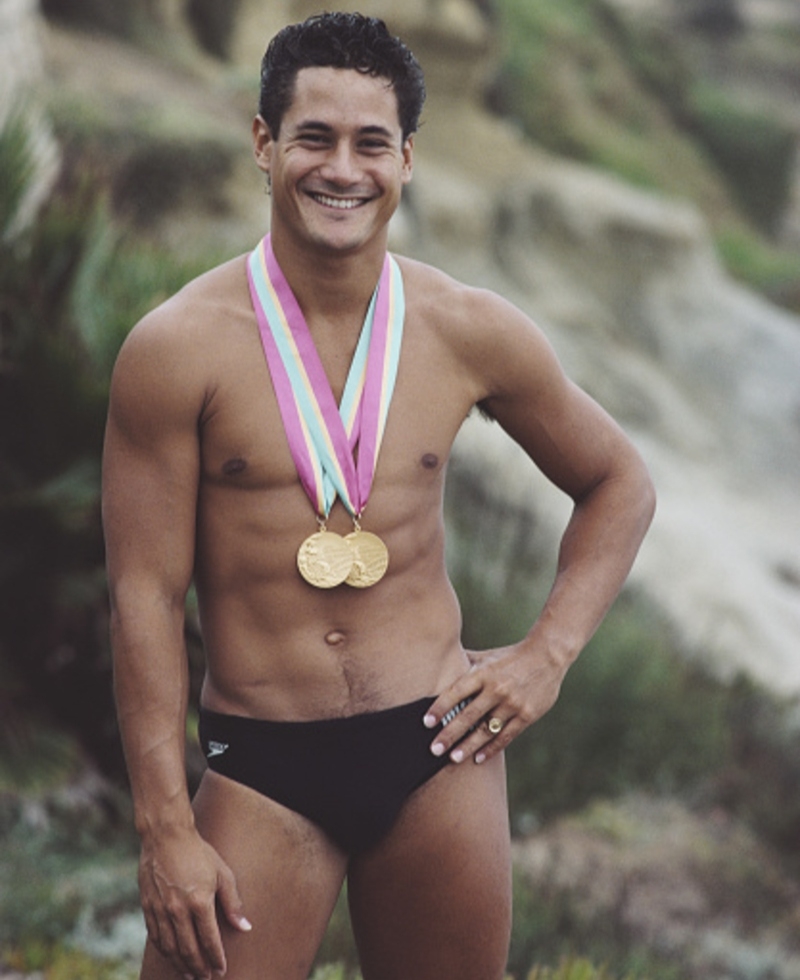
(341, 165)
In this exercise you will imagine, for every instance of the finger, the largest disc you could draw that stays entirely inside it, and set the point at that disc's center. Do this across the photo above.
(484, 744)
(151, 923)
(190, 956)
(163, 935)
(451, 701)
(463, 724)
(479, 737)
(230, 901)
(499, 741)
(210, 939)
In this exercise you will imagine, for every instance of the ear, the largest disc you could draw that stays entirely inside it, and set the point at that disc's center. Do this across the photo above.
(262, 144)
(408, 160)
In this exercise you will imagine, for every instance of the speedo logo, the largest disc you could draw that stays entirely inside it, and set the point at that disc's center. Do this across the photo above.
(216, 748)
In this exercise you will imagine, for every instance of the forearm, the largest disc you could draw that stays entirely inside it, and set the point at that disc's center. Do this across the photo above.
(516, 685)
(597, 551)
(151, 690)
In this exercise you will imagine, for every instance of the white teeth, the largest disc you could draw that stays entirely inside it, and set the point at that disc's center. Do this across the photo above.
(344, 204)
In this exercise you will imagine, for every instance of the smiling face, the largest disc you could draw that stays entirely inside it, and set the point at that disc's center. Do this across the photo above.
(339, 163)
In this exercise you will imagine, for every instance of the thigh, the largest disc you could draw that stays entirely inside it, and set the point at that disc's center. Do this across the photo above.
(289, 875)
(432, 901)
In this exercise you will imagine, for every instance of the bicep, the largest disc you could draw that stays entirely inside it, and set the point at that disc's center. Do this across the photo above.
(566, 433)
(150, 475)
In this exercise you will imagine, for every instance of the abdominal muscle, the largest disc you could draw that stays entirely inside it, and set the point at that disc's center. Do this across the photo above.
(281, 649)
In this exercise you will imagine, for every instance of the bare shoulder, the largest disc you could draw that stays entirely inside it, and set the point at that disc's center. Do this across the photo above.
(492, 337)
(567, 434)
(171, 352)
(443, 299)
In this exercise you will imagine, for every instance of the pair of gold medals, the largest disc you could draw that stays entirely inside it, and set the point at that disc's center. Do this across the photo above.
(326, 559)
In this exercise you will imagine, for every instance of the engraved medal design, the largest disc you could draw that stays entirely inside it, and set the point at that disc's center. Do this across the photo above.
(325, 559)
(370, 559)
(335, 448)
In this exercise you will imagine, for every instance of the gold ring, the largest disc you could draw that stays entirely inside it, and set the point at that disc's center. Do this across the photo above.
(495, 726)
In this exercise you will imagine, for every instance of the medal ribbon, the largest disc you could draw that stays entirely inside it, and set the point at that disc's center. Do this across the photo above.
(323, 438)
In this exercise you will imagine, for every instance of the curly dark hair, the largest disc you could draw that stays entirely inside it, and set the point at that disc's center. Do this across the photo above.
(339, 40)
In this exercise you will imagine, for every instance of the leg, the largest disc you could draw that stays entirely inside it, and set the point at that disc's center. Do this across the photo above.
(288, 873)
(432, 900)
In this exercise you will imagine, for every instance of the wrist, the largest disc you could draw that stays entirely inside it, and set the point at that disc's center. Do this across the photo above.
(166, 819)
(556, 646)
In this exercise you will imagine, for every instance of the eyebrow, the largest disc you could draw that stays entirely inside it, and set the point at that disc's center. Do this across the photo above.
(324, 127)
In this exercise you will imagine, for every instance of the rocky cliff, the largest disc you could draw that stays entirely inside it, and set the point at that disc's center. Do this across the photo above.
(703, 374)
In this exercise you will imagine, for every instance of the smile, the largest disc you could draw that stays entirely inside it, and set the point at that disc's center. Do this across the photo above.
(342, 203)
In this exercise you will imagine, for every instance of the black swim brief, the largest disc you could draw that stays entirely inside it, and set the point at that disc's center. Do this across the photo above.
(351, 775)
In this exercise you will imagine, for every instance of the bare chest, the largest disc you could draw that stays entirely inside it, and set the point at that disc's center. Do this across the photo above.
(244, 443)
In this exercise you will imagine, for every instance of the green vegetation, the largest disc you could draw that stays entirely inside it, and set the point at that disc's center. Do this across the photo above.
(70, 288)
(211, 22)
(773, 271)
(572, 969)
(631, 714)
(68, 873)
(568, 80)
(755, 152)
(631, 97)
(62, 963)
(122, 19)
(634, 714)
(334, 971)
(150, 162)
(337, 958)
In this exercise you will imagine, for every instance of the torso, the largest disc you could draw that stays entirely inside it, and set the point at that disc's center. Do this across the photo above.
(276, 647)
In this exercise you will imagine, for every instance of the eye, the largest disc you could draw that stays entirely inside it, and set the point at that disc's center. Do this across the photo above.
(313, 139)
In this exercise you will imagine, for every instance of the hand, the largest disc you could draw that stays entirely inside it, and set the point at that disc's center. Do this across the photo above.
(180, 881)
(513, 685)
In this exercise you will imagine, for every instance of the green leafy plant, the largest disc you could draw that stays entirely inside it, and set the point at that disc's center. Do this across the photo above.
(70, 288)
(629, 95)
(631, 714)
(573, 969)
(549, 926)
(771, 269)
(755, 151)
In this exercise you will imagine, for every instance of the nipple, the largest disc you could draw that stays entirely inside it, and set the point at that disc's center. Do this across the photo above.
(335, 638)
(232, 467)
(430, 461)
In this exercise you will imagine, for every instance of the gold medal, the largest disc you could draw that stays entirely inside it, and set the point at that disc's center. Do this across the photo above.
(370, 559)
(325, 559)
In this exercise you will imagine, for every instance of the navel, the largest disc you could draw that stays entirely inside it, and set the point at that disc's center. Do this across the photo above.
(235, 466)
(335, 638)
(430, 461)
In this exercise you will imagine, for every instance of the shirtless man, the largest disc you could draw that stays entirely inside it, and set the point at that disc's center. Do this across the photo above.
(323, 703)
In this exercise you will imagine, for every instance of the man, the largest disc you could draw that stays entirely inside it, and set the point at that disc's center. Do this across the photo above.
(348, 732)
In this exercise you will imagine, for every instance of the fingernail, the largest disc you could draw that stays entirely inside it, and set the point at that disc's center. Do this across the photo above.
(457, 756)
(245, 924)
(429, 721)
(480, 757)
(437, 748)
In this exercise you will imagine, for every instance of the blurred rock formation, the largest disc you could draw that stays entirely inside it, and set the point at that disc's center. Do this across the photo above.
(703, 374)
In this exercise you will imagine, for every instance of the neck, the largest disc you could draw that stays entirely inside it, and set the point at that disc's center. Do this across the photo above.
(328, 283)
